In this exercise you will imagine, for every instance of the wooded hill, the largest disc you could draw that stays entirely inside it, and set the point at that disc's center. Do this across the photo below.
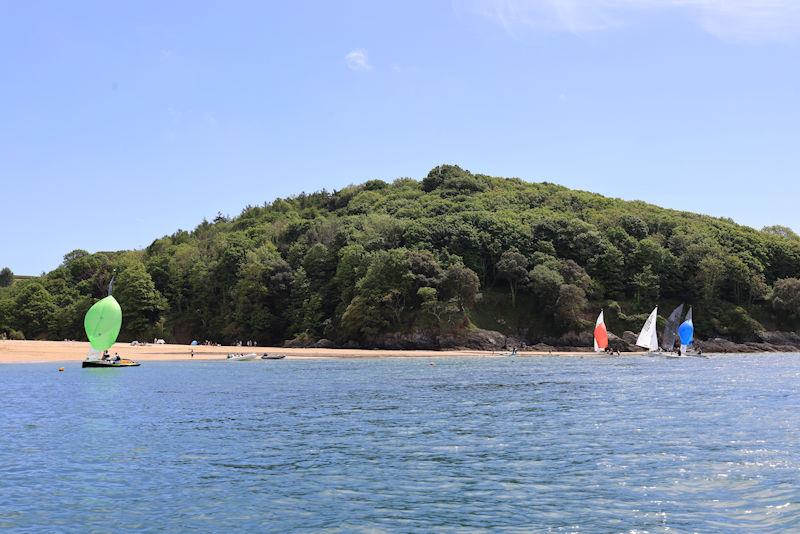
(438, 257)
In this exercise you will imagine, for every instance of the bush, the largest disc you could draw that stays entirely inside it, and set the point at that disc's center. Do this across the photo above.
(16, 335)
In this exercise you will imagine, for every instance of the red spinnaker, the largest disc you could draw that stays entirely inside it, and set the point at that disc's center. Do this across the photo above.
(601, 336)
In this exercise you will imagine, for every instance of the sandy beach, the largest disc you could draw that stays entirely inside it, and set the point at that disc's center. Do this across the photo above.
(73, 351)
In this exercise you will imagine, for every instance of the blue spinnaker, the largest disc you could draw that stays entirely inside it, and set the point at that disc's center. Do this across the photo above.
(686, 329)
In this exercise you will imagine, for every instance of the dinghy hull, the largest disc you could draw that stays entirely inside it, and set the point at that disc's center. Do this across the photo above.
(102, 364)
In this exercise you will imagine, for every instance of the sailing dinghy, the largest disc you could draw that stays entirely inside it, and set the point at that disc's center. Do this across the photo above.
(102, 323)
(686, 335)
(671, 329)
(648, 338)
(600, 334)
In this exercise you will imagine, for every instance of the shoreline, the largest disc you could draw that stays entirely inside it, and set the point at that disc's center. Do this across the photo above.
(13, 351)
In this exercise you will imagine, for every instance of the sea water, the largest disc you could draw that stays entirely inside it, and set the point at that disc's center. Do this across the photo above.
(411, 445)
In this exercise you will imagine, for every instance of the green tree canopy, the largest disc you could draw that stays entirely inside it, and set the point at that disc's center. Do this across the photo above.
(6, 277)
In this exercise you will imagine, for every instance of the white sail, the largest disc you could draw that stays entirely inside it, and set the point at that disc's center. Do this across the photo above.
(648, 338)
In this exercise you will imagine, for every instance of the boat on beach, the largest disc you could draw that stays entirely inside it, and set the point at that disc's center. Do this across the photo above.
(272, 356)
(242, 357)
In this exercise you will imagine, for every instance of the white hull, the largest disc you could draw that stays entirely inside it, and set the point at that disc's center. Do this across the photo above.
(243, 357)
(682, 356)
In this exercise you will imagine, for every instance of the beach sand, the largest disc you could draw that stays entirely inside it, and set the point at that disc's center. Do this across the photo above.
(73, 351)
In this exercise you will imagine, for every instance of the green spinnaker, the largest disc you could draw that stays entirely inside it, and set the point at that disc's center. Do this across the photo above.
(102, 323)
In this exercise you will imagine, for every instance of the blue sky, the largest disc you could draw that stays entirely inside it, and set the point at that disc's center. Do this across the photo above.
(122, 122)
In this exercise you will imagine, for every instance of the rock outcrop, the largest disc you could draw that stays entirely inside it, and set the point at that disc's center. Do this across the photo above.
(491, 340)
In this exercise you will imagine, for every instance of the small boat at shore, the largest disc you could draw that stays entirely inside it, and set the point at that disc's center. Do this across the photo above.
(600, 334)
(685, 333)
(648, 338)
(273, 356)
(241, 357)
(671, 329)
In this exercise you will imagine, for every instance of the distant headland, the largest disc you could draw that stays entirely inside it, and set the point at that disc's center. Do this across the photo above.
(457, 260)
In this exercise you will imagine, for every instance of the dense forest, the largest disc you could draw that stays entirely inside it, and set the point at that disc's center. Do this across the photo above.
(449, 254)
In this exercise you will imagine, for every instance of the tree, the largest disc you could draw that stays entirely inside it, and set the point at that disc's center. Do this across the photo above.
(461, 284)
(545, 284)
(452, 177)
(513, 267)
(709, 276)
(786, 297)
(6, 277)
(575, 274)
(569, 306)
(606, 267)
(634, 226)
(429, 299)
(744, 278)
(646, 285)
(781, 231)
(6, 316)
(140, 301)
(264, 295)
(34, 309)
(381, 295)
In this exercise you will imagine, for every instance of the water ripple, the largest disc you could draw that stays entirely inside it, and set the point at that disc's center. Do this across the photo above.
(515, 445)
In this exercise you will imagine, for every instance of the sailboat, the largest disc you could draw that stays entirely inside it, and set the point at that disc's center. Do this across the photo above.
(102, 323)
(686, 332)
(671, 329)
(648, 338)
(600, 334)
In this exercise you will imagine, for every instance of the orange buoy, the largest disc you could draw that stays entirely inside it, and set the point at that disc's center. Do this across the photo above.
(61, 369)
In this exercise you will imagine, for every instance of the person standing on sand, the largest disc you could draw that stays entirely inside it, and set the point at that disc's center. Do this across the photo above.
(191, 353)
